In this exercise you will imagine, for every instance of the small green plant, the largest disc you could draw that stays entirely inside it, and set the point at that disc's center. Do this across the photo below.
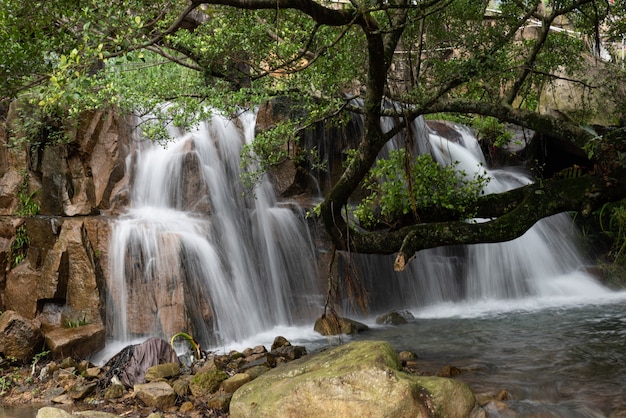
(27, 206)
(491, 130)
(8, 379)
(400, 185)
(19, 246)
(75, 323)
(615, 229)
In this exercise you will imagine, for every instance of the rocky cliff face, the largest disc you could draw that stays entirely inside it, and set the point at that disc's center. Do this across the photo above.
(53, 238)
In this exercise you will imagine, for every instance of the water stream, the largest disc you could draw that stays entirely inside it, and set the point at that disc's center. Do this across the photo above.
(524, 316)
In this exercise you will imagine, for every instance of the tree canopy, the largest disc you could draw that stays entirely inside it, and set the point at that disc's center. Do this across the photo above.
(431, 57)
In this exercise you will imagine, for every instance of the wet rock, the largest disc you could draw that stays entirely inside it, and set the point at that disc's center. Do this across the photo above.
(280, 342)
(205, 383)
(79, 342)
(356, 379)
(156, 394)
(328, 325)
(290, 352)
(448, 371)
(407, 355)
(395, 318)
(162, 371)
(19, 337)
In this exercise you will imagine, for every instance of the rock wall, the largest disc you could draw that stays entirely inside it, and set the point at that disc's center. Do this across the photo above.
(53, 261)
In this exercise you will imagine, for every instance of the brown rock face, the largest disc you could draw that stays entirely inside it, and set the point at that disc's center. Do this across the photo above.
(77, 342)
(60, 280)
(19, 337)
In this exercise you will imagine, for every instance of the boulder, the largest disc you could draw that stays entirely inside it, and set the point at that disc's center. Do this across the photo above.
(19, 337)
(331, 325)
(357, 379)
(79, 342)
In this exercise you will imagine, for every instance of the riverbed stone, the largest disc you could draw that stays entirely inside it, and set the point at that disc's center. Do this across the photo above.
(156, 394)
(357, 379)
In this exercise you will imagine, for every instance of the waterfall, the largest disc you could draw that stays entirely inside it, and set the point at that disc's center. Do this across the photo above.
(195, 253)
(543, 267)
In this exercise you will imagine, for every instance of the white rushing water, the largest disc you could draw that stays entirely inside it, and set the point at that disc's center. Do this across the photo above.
(195, 253)
(542, 268)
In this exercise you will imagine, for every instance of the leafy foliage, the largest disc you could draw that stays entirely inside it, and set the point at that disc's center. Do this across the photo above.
(401, 185)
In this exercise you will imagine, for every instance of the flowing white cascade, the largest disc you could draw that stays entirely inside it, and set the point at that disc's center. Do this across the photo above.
(541, 268)
(195, 253)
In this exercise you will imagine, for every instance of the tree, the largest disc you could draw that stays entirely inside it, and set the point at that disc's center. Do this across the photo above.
(427, 56)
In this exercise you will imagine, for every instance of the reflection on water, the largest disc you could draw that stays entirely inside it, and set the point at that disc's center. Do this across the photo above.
(18, 411)
(564, 362)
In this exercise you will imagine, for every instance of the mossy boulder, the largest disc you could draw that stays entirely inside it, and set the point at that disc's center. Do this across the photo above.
(357, 379)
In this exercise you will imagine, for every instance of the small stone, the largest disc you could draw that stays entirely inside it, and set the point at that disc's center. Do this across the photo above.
(220, 401)
(181, 385)
(68, 363)
(259, 349)
(93, 372)
(205, 383)
(50, 412)
(162, 371)
(80, 390)
(156, 394)
(448, 371)
(407, 355)
(279, 342)
(186, 407)
(290, 352)
(233, 383)
(114, 392)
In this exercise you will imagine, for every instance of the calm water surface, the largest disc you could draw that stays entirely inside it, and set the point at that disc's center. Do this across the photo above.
(567, 361)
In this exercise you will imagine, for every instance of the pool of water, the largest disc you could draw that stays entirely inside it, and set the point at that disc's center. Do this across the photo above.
(566, 361)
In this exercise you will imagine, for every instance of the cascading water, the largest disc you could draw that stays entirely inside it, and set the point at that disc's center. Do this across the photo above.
(195, 253)
(543, 267)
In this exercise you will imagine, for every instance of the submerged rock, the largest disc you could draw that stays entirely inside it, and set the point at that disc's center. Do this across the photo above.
(357, 379)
